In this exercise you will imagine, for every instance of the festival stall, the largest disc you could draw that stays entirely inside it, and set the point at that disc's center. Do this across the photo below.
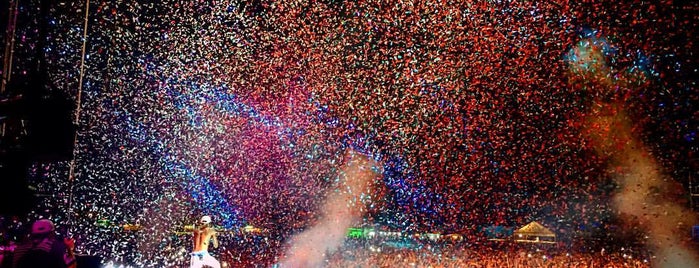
(534, 233)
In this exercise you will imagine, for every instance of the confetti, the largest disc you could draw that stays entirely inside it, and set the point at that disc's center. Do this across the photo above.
(479, 114)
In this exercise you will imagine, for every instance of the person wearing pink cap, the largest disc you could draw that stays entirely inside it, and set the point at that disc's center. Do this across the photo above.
(42, 249)
(201, 236)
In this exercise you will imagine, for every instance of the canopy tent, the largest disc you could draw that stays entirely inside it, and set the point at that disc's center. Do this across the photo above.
(534, 233)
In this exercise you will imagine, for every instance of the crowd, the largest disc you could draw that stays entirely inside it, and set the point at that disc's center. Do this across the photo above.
(480, 259)
(260, 251)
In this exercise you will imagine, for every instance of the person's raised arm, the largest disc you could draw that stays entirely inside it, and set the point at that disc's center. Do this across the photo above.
(215, 239)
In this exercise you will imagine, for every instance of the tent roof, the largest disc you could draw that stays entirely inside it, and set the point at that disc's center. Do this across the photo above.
(534, 228)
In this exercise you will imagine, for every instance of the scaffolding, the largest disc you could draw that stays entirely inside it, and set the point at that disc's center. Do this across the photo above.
(7, 57)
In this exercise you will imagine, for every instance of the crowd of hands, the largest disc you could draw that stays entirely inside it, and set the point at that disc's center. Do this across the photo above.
(478, 259)
(461, 255)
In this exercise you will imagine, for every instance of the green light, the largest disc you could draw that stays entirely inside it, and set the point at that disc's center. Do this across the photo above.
(355, 233)
(104, 223)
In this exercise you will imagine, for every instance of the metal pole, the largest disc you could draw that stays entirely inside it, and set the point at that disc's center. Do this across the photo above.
(9, 51)
(71, 173)
(9, 46)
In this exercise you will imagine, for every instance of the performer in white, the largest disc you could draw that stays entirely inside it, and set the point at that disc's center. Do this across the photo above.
(201, 235)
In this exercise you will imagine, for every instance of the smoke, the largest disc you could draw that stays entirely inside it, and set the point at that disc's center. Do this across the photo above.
(342, 209)
(647, 196)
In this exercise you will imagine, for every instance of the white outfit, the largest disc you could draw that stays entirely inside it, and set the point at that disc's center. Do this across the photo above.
(201, 258)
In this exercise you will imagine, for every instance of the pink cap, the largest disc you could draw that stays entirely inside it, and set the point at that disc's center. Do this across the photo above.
(42, 226)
